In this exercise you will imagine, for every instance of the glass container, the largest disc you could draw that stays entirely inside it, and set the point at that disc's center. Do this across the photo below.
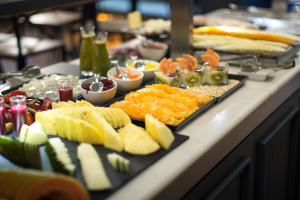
(216, 75)
(102, 62)
(18, 110)
(2, 117)
(65, 90)
(87, 50)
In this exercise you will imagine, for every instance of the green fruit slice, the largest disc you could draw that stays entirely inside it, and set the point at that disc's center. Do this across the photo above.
(20, 153)
(59, 157)
(193, 79)
(8, 127)
(217, 78)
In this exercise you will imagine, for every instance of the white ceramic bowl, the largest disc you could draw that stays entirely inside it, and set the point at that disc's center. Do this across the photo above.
(98, 98)
(152, 53)
(126, 85)
(149, 75)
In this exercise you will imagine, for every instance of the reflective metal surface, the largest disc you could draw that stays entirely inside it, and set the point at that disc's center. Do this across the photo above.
(182, 25)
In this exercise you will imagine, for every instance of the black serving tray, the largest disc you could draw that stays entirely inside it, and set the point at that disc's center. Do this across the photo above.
(198, 112)
(240, 78)
(187, 120)
(118, 179)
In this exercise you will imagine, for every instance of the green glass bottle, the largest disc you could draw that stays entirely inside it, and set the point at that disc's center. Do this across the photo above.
(87, 50)
(102, 61)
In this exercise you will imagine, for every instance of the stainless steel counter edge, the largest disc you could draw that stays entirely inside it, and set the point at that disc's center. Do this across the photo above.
(212, 136)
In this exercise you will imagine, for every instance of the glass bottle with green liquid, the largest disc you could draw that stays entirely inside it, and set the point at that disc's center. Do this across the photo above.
(102, 61)
(87, 50)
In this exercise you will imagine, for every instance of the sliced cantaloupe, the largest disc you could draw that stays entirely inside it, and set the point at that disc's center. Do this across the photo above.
(34, 185)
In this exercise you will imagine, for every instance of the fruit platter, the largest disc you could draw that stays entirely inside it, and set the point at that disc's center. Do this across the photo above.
(99, 146)
(181, 91)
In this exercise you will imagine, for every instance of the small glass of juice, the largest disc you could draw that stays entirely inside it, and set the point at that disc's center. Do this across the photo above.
(65, 90)
(18, 109)
(2, 117)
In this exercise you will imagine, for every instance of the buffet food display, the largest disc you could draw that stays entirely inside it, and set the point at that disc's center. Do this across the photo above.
(106, 129)
(243, 40)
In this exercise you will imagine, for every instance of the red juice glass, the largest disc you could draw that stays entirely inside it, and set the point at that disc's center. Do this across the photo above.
(18, 109)
(65, 90)
(2, 117)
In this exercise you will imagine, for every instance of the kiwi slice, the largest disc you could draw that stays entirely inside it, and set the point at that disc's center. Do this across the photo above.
(193, 79)
(161, 80)
(175, 82)
(217, 78)
(20, 153)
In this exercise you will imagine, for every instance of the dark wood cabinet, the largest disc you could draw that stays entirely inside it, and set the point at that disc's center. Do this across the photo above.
(265, 166)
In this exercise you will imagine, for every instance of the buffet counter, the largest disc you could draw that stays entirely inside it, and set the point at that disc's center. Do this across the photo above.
(213, 136)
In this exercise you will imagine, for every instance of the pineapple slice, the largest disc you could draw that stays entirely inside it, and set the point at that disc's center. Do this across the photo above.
(48, 121)
(69, 127)
(159, 131)
(112, 139)
(115, 116)
(84, 103)
(92, 168)
(95, 119)
(137, 141)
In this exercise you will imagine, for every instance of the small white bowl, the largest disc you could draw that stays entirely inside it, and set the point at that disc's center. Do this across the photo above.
(126, 85)
(152, 53)
(98, 98)
(149, 75)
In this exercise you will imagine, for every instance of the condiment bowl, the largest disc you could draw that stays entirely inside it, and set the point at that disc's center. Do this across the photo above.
(100, 97)
(152, 52)
(151, 66)
(126, 85)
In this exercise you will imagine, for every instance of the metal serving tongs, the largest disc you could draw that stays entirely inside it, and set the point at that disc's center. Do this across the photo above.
(27, 72)
(253, 65)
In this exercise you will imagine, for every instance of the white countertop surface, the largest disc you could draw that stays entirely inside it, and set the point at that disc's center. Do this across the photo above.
(212, 136)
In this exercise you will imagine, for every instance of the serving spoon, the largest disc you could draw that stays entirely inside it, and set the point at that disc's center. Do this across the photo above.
(120, 73)
(97, 85)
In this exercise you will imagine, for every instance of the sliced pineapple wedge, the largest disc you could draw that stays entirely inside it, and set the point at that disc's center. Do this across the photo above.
(137, 141)
(159, 131)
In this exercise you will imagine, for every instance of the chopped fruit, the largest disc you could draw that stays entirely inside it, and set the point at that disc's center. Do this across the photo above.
(8, 127)
(29, 119)
(170, 105)
(118, 162)
(29, 184)
(116, 117)
(92, 168)
(211, 57)
(187, 62)
(11, 94)
(159, 131)
(20, 153)
(59, 156)
(216, 77)
(167, 66)
(33, 134)
(55, 122)
(132, 75)
(137, 141)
